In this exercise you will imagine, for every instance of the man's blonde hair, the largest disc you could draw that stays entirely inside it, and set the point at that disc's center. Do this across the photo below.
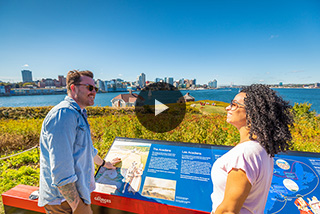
(73, 77)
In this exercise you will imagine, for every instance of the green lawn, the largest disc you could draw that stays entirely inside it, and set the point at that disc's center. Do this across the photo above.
(208, 108)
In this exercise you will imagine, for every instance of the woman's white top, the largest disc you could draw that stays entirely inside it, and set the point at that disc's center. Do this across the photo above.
(253, 159)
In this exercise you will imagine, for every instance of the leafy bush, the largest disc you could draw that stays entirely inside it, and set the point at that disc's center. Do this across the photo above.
(20, 169)
(306, 131)
(24, 112)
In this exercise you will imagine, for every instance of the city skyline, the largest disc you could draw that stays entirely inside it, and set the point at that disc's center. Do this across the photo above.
(239, 42)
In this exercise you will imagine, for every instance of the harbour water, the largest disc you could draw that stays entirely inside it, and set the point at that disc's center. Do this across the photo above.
(293, 95)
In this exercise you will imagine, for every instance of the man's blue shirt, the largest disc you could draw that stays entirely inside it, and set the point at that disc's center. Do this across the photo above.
(66, 153)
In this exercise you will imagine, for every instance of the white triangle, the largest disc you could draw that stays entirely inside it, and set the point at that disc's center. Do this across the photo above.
(159, 107)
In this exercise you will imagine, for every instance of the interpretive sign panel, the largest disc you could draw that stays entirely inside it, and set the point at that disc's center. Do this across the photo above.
(179, 175)
(295, 184)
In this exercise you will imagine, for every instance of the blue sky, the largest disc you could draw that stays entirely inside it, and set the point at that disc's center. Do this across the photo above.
(238, 41)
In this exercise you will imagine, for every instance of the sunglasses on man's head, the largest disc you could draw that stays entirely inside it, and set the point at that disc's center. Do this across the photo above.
(90, 87)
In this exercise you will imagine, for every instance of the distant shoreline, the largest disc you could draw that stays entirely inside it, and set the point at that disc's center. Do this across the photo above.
(15, 95)
(56, 93)
(182, 89)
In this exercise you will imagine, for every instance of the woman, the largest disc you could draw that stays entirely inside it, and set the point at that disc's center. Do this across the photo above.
(242, 177)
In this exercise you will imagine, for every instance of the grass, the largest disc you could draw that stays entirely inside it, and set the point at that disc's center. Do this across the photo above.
(209, 106)
(209, 109)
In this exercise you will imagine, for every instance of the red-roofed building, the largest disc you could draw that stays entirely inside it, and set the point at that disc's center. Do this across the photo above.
(125, 100)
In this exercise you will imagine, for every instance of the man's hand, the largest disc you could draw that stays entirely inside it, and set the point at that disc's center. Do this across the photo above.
(110, 164)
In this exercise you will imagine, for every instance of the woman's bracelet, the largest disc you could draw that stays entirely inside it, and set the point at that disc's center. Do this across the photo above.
(103, 163)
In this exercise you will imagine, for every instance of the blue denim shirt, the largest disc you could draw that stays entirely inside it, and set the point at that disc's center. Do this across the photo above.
(66, 153)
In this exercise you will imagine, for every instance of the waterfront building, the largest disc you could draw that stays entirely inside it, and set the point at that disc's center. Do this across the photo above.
(41, 84)
(181, 81)
(317, 85)
(281, 84)
(114, 86)
(194, 82)
(56, 83)
(158, 80)
(7, 89)
(126, 100)
(100, 85)
(141, 80)
(213, 84)
(2, 89)
(119, 80)
(169, 80)
(108, 85)
(62, 81)
(26, 76)
(190, 83)
(51, 83)
(176, 84)
(183, 85)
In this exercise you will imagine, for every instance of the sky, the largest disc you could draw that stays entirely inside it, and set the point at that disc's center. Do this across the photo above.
(232, 41)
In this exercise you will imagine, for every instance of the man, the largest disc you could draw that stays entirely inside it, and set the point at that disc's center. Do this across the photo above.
(67, 155)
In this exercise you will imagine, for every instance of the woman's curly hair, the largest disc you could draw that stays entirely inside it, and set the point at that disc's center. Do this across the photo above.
(268, 117)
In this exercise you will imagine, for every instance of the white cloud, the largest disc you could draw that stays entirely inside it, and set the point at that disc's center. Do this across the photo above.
(25, 65)
(261, 80)
(273, 36)
(120, 75)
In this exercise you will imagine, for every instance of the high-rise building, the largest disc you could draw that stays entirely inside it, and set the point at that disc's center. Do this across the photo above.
(194, 82)
(101, 85)
(158, 79)
(119, 80)
(168, 80)
(213, 84)
(141, 80)
(62, 80)
(26, 76)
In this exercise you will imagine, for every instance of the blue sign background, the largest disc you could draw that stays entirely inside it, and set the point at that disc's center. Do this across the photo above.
(186, 169)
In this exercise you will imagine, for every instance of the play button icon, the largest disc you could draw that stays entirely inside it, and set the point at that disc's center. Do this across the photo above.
(160, 107)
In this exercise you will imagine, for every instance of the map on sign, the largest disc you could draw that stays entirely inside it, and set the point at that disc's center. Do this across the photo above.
(295, 186)
(178, 174)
